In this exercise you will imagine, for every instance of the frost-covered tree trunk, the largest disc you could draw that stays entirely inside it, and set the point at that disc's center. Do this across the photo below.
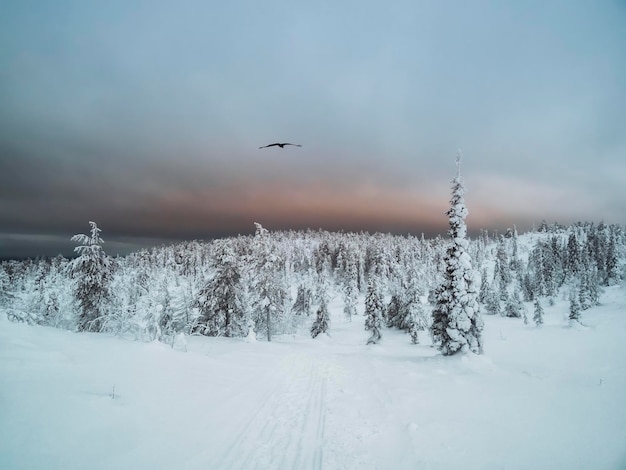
(92, 272)
(457, 324)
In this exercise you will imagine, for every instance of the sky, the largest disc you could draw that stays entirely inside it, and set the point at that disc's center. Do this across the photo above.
(147, 117)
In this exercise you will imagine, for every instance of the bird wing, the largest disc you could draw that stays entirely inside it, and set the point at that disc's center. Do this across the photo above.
(270, 145)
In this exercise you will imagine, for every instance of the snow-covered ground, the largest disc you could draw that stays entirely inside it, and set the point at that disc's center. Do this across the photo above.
(547, 398)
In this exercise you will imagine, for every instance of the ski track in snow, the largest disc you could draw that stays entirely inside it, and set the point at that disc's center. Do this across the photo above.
(287, 430)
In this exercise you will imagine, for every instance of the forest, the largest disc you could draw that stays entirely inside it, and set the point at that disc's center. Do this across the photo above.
(276, 283)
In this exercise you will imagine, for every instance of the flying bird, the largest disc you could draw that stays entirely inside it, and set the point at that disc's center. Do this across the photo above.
(280, 145)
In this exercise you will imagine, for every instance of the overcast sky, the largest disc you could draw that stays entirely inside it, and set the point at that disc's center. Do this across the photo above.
(146, 116)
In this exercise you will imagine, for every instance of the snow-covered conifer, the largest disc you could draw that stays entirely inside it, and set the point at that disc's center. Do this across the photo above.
(302, 305)
(502, 270)
(538, 316)
(395, 314)
(574, 307)
(514, 306)
(457, 325)
(219, 302)
(92, 272)
(322, 320)
(374, 309)
(613, 275)
(269, 285)
(415, 320)
(484, 287)
(584, 294)
(492, 303)
(350, 289)
(515, 262)
(573, 259)
(5, 287)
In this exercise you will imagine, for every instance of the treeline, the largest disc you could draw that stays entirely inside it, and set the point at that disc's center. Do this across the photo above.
(273, 283)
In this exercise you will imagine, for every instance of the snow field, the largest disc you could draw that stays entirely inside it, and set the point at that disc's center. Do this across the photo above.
(539, 398)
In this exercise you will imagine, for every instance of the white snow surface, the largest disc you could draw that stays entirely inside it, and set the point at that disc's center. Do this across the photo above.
(539, 398)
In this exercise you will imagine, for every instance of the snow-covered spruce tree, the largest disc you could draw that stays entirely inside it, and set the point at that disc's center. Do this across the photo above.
(501, 271)
(613, 275)
(492, 303)
(514, 306)
(415, 319)
(515, 262)
(484, 287)
(269, 289)
(302, 305)
(574, 306)
(5, 285)
(350, 289)
(457, 324)
(573, 261)
(322, 318)
(538, 316)
(323, 276)
(584, 291)
(219, 301)
(92, 271)
(395, 311)
(374, 309)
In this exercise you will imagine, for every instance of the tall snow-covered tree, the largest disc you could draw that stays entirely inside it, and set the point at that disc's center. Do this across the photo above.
(322, 320)
(502, 270)
(514, 306)
(574, 306)
(396, 313)
(492, 303)
(220, 301)
(613, 275)
(484, 287)
(322, 317)
(515, 262)
(302, 305)
(269, 285)
(538, 316)
(92, 272)
(415, 318)
(350, 289)
(573, 258)
(374, 309)
(457, 324)
(5, 288)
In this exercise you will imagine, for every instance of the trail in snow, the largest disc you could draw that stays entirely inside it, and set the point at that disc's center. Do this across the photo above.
(285, 428)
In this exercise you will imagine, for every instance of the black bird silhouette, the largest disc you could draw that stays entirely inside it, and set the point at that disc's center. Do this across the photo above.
(280, 145)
